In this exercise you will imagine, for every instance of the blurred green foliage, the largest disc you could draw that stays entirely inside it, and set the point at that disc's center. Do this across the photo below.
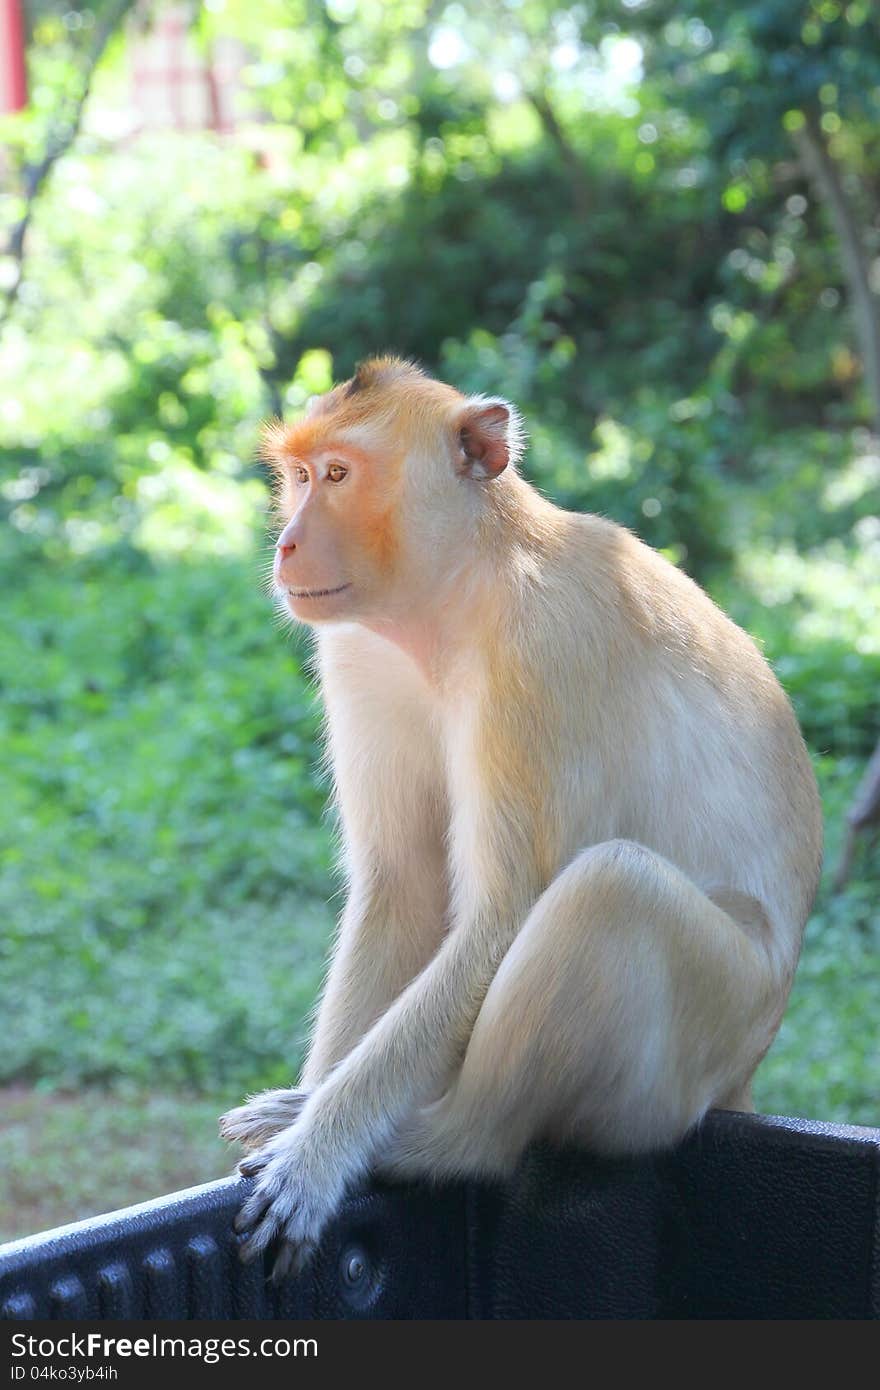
(594, 209)
(165, 817)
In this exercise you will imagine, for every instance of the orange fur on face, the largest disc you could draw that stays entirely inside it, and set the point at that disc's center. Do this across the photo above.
(380, 536)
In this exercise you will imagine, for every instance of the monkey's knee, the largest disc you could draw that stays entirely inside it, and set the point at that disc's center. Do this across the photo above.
(623, 1010)
(612, 872)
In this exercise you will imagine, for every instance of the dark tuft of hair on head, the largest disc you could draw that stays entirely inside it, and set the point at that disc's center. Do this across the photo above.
(358, 382)
(373, 371)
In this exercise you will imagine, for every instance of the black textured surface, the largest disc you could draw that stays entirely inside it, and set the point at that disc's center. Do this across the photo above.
(752, 1217)
(178, 1258)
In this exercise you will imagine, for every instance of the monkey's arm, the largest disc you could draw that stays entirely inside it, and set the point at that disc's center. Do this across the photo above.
(409, 1052)
(404, 1058)
(387, 934)
(389, 930)
(388, 777)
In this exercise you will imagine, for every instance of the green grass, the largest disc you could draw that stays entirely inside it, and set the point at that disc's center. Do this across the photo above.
(67, 1156)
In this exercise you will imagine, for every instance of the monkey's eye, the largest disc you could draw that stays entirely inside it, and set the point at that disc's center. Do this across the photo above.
(336, 472)
(301, 474)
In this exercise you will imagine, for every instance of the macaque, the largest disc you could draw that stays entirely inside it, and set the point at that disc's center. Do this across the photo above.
(581, 832)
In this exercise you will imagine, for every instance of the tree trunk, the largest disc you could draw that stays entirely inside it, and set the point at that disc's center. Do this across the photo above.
(580, 192)
(864, 812)
(825, 175)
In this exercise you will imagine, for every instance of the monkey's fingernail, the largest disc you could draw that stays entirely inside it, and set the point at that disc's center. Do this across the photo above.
(262, 1234)
(247, 1218)
(302, 1257)
(282, 1264)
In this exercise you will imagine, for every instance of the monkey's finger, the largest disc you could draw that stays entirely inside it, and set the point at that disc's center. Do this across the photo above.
(261, 1117)
(252, 1165)
(261, 1237)
(247, 1132)
(231, 1124)
(292, 1259)
(283, 1262)
(252, 1212)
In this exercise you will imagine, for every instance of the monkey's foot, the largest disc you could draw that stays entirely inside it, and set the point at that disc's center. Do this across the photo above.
(437, 1144)
(261, 1117)
(418, 1149)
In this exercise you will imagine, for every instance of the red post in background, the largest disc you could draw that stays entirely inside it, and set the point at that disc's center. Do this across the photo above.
(13, 81)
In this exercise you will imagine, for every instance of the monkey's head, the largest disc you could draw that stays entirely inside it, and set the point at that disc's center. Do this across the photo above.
(380, 489)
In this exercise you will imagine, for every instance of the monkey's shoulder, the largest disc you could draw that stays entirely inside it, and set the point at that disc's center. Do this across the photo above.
(625, 583)
(616, 610)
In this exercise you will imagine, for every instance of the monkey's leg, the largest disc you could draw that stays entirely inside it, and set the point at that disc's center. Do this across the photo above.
(629, 1003)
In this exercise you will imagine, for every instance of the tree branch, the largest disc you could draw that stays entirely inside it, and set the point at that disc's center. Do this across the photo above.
(824, 173)
(580, 192)
(864, 812)
(61, 136)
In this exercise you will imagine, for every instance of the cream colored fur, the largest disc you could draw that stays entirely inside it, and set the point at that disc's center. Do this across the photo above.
(581, 835)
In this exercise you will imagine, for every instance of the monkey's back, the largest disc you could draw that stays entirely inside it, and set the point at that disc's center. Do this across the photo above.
(689, 744)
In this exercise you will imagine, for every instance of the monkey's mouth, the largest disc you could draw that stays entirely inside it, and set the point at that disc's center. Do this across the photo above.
(317, 593)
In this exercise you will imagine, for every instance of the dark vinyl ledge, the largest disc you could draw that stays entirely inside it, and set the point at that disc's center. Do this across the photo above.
(752, 1217)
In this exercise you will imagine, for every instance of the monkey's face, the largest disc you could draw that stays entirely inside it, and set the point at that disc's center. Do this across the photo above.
(377, 489)
(336, 553)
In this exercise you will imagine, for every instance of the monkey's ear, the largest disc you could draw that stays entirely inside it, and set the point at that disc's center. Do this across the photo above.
(490, 436)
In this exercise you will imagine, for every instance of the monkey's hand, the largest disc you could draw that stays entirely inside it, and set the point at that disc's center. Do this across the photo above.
(262, 1117)
(301, 1177)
